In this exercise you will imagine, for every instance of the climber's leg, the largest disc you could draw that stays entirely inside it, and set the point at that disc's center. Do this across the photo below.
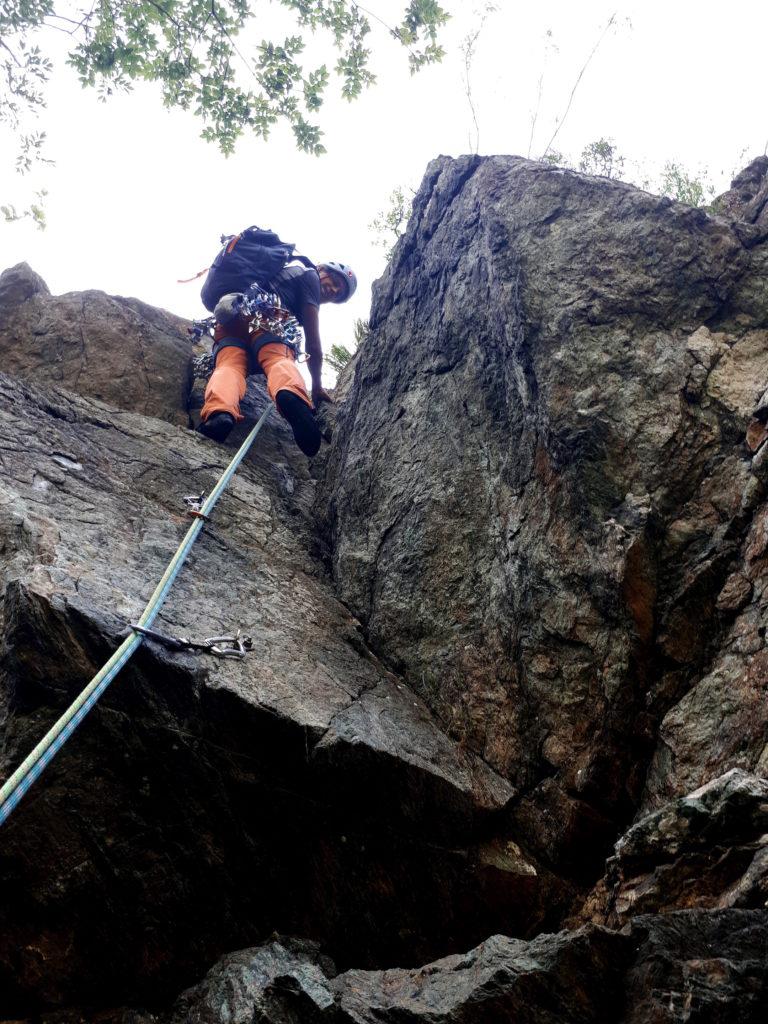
(223, 394)
(286, 386)
(218, 426)
(306, 432)
(279, 364)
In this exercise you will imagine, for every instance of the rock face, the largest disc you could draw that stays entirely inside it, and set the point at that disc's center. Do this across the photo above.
(234, 794)
(708, 849)
(509, 625)
(119, 350)
(661, 969)
(498, 981)
(541, 504)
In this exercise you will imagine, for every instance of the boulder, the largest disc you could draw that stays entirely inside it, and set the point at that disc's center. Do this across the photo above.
(539, 487)
(119, 350)
(688, 966)
(550, 980)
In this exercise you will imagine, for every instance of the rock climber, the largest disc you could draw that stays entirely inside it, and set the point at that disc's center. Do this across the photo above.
(301, 289)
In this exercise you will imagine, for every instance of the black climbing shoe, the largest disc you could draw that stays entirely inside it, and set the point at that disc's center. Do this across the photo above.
(217, 427)
(303, 423)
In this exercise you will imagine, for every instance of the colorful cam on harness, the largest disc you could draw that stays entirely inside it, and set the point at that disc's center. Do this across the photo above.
(268, 322)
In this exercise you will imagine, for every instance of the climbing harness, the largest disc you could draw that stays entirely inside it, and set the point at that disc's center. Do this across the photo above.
(222, 646)
(268, 322)
(201, 328)
(36, 762)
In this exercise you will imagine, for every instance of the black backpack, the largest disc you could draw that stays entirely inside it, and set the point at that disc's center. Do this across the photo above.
(255, 256)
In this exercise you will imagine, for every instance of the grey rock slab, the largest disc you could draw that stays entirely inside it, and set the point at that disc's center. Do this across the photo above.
(190, 793)
(247, 986)
(684, 966)
(389, 722)
(551, 979)
(707, 849)
(119, 350)
(561, 978)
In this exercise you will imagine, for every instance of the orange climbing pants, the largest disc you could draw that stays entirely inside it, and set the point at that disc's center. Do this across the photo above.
(227, 384)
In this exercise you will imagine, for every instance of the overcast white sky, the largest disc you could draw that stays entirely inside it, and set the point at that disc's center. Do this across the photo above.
(136, 200)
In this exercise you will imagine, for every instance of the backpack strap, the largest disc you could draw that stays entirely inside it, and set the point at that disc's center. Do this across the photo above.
(289, 272)
(305, 260)
(292, 271)
(189, 280)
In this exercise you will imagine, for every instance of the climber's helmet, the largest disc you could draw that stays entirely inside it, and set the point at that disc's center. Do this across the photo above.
(338, 283)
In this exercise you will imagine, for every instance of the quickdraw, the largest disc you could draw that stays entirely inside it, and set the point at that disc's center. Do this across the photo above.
(194, 503)
(12, 791)
(236, 646)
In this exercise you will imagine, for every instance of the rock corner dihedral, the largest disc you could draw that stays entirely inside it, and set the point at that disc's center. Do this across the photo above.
(506, 711)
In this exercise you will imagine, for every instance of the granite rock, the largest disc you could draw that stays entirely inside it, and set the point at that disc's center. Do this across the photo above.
(119, 350)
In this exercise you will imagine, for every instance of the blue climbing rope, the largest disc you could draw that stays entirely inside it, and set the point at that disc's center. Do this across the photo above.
(45, 751)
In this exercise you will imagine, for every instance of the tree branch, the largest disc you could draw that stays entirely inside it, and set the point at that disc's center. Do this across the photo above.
(611, 20)
(232, 43)
(535, 114)
(16, 60)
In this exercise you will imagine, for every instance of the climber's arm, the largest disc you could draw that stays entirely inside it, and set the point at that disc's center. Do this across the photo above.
(311, 319)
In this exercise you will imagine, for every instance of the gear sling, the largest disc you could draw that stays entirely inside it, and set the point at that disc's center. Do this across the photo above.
(246, 262)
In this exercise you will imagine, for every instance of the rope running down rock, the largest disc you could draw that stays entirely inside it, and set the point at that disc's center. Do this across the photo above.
(33, 766)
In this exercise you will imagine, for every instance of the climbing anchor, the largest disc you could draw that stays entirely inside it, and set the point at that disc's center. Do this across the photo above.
(236, 646)
(194, 503)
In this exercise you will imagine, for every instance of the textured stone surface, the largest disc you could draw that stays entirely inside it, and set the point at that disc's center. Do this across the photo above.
(549, 980)
(698, 968)
(540, 484)
(722, 720)
(686, 966)
(205, 800)
(527, 608)
(746, 201)
(707, 849)
(18, 284)
(119, 350)
(251, 984)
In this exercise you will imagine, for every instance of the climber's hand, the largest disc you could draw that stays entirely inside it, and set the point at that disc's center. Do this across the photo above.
(320, 395)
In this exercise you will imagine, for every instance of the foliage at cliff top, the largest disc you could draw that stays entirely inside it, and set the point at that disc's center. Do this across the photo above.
(193, 50)
(603, 158)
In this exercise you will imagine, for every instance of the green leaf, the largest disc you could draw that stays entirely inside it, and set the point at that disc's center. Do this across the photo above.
(191, 48)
